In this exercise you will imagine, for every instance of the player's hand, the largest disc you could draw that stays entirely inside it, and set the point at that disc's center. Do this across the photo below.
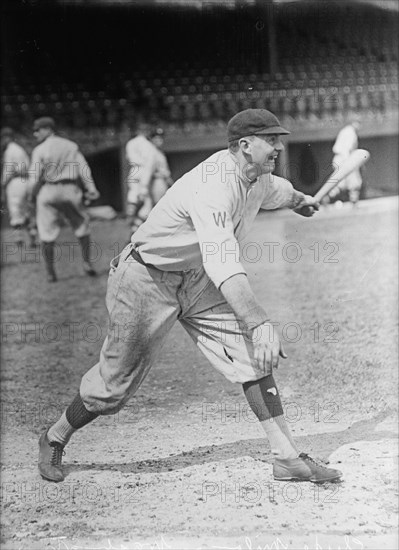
(267, 348)
(91, 196)
(307, 207)
(334, 192)
(143, 194)
(31, 199)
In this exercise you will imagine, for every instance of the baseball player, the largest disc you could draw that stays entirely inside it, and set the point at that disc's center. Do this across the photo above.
(345, 143)
(57, 174)
(149, 175)
(183, 264)
(14, 182)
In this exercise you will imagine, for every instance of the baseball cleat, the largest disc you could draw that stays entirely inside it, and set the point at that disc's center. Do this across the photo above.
(304, 468)
(50, 458)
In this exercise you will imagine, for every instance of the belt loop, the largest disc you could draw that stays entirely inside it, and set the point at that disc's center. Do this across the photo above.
(129, 248)
(115, 261)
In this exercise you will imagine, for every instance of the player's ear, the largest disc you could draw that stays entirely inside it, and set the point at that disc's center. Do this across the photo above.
(245, 145)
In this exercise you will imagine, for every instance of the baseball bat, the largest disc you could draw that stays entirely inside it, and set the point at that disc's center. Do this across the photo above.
(356, 159)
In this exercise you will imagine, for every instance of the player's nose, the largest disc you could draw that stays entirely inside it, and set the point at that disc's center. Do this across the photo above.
(279, 146)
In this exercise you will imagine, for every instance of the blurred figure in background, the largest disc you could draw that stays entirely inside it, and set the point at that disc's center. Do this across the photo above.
(345, 143)
(149, 174)
(14, 182)
(59, 180)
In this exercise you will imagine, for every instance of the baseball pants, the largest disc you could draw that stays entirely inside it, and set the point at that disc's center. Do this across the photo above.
(60, 199)
(143, 304)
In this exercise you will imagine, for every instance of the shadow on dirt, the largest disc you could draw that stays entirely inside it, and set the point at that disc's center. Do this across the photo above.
(320, 446)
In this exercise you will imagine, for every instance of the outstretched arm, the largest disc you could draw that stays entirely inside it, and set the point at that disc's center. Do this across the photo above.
(280, 193)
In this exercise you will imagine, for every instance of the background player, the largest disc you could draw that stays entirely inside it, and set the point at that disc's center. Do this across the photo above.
(183, 264)
(57, 175)
(345, 143)
(149, 175)
(14, 182)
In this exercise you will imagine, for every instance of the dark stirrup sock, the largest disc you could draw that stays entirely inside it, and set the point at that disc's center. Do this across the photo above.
(263, 398)
(77, 414)
(85, 243)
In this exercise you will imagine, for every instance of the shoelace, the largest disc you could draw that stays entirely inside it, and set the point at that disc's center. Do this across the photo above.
(314, 460)
(57, 454)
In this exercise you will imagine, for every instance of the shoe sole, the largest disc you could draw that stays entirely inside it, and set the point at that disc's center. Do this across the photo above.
(326, 480)
(48, 478)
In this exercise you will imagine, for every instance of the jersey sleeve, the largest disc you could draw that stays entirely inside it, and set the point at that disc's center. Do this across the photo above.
(85, 172)
(279, 193)
(162, 168)
(211, 214)
(36, 168)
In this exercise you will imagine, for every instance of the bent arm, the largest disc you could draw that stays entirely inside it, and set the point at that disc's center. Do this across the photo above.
(280, 193)
(35, 180)
(85, 173)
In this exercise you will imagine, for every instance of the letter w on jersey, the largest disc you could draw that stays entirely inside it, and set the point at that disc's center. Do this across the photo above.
(220, 218)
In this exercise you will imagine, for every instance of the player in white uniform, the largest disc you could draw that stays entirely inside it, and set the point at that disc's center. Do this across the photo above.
(183, 264)
(14, 181)
(149, 175)
(345, 143)
(57, 174)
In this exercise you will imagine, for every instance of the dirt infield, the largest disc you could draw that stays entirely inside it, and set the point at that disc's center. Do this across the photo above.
(185, 464)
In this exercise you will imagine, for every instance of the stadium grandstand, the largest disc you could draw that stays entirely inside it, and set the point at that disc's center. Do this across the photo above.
(188, 66)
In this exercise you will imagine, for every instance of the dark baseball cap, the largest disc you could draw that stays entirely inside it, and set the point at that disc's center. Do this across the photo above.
(157, 132)
(44, 122)
(252, 122)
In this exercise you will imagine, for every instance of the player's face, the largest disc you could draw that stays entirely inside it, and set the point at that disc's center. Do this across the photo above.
(157, 141)
(265, 150)
(41, 134)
